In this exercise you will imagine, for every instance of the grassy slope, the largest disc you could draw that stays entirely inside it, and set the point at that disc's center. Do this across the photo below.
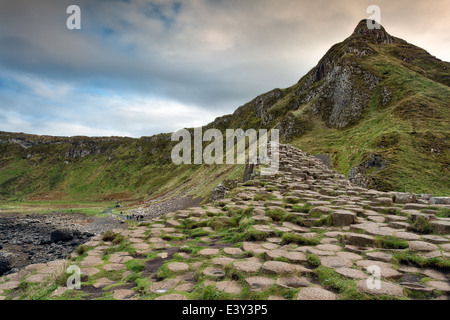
(405, 131)
(130, 171)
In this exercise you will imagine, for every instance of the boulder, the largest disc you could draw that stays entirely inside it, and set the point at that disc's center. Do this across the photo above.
(61, 235)
(7, 261)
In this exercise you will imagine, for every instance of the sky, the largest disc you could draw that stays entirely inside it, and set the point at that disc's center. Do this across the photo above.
(141, 67)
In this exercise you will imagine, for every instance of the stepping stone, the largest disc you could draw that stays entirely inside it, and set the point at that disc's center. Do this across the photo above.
(119, 257)
(441, 227)
(379, 256)
(334, 234)
(37, 278)
(89, 271)
(422, 246)
(178, 266)
(329, 247)
(259, 283)
(222, 261)
(172, 296)
(292, 282)
(10, 285)
(315, 293)
(114, 267)
(229, 287)
(352, 273)
(270, 246)
(91, 261)
(141, 246)
(359, 239)
(214, 272)
(436, 274)
(185, 287)
(335, 262)
(247, 266)
(386, 270)
(122, 294)
(172, 223)
(440, 285)
(407, 236)
(102, 282)
(296, 257)
(349, 255)
(278, 267)
(208, 252)
(165, 285)
(34, 267)
(58, 291)
(343, 217)
(383, 201)
(435, 239)
(273, 254)
(17, 276)
(384, 288)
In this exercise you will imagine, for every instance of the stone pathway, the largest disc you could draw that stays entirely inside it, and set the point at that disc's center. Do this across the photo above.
(304, 233)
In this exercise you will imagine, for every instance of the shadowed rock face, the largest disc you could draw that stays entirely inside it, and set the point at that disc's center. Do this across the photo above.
(362, 32)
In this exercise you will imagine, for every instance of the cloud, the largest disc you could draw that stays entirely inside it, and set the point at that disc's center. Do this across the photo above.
(198, 58)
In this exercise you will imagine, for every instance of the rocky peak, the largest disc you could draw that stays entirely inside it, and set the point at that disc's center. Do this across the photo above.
(362, 32)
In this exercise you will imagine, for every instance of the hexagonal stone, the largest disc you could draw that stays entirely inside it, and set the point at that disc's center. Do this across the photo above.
(315, 293)
(165, 285)
(208, 252)
(441, 226)
(247, 266)
(370, 286)
(349, 255)
(91, 261)
(329, 247)
(278, 267)
(440, 285)
(434, 274)
(214, 272)
(178, 266)
(335, 262)
(352, 273)
(359, 239)
(229, 287)
(232, 251)
(122, 294)
(114, 267)
(386, 270)
(89, 271)
(10, 285)
(296, 257)
(222, 261)
(379, 256)
(37, 278)
(102, 282)
(407, 236)
(259, 283)
(292, 282)
(422, 246)
(436, 239)
(343, 217)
